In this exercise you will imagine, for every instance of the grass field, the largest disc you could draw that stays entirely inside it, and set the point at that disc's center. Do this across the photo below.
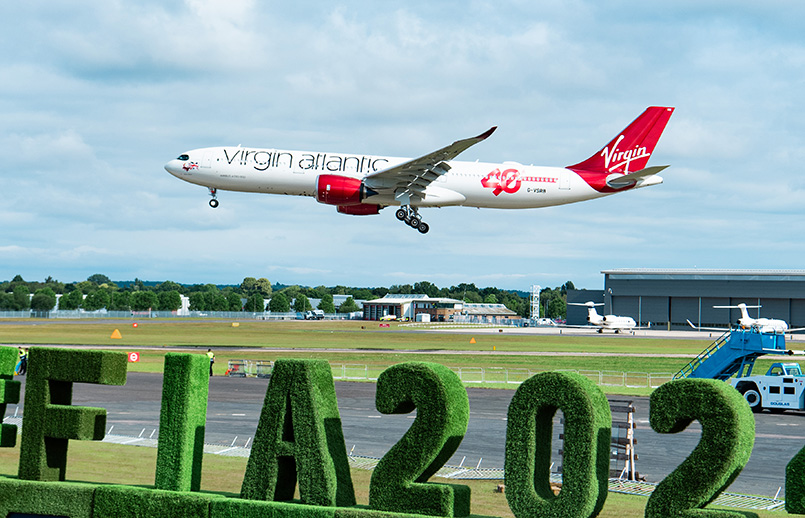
(364, 343)
(338, 342)
(132, 465)
(323, 334)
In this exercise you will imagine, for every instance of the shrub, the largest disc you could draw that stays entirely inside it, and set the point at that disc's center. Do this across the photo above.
(9, 393)
(795, 484)
(232, 508)
(182, 420)
(50, 420)
(587, 432)
(299, 431)
(65, 499)
(138, 502)
(440, 399)
(728, 434)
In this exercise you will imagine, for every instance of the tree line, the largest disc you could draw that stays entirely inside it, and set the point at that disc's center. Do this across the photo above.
(99, 292)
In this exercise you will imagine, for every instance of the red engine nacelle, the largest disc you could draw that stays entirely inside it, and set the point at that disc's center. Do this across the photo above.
(339, 190)
(359, 210)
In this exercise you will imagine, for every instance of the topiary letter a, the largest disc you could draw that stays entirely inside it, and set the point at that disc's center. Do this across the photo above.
(299, 433)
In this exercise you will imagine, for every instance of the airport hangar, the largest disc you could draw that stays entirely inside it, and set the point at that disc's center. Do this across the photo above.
(668, 298)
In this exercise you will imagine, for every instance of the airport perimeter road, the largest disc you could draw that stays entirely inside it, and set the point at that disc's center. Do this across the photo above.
(235, 404)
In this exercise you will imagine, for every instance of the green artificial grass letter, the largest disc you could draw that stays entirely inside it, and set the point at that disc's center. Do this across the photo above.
(299, 436)
(9, 393)
(728, 434)
(182, 420)
(400, 480)
(50, 419)
(588, 424)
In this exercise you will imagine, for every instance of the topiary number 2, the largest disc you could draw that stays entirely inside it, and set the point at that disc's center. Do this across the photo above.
(728, 434)
(399, 482)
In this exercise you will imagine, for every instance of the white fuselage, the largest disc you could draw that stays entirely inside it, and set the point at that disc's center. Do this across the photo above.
(609, 321)
(477, 184)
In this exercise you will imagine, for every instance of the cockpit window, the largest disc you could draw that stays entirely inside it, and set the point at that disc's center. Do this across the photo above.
(183, 157)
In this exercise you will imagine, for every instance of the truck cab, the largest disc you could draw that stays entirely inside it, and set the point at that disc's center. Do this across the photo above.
(782, 388)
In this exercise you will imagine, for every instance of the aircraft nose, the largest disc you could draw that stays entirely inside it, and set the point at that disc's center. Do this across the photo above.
(174, 167)
(180, 166)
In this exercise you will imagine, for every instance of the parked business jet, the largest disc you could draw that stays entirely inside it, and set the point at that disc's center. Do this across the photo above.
(613, 322)
(763, 325)
(365, 184)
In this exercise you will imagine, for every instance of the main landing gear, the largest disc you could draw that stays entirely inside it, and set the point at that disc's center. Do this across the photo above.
(411, 217)
(214, 200)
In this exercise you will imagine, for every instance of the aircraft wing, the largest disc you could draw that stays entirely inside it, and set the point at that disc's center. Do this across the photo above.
(414, 176)
(628, 179)
(720, 329)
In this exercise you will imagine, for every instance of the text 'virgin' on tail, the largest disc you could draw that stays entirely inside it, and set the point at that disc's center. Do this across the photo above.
(630, 150)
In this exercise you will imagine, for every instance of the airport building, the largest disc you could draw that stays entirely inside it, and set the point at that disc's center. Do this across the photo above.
(422, 308)
(669, 298)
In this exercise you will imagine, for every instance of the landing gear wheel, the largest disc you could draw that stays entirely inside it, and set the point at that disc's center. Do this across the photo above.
(213, 203)
(401, 214)
(423, 228)
(414, 222)
(752, 397)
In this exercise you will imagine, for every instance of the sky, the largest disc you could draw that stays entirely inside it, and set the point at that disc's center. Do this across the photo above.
(96, 96)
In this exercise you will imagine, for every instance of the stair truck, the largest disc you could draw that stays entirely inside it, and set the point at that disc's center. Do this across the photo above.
(734, 354)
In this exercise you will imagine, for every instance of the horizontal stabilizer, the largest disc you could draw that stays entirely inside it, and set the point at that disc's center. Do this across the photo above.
(631, 178)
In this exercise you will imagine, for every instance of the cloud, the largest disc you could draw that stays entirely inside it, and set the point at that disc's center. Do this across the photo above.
(97, 96)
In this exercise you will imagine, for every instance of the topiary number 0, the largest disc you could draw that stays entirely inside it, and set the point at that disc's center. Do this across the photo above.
(588, 424)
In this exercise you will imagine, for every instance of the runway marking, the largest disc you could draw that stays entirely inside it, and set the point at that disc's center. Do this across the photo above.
(239, 415)
(374, 416)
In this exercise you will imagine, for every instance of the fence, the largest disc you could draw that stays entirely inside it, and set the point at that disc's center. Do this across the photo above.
(505, 376)
(127, 315)
(469, 375)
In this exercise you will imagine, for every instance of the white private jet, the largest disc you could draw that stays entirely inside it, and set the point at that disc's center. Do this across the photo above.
(763, 325)
(613, 322)
(364, 184)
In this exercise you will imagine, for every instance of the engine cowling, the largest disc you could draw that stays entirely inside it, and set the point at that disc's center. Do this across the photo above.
(359, 210)
(334, 189)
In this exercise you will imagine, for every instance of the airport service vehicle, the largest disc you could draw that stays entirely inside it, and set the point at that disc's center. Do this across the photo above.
(361, 185)
(316, 314)
(734, 354)
(782, 388)
(613, 322)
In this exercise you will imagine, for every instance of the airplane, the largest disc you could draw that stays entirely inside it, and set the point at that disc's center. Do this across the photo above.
(763, 325)
(360, 185)
(613, 322)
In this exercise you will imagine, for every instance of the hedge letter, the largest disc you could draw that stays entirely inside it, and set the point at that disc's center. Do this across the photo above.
(50, 419)
(728, 434)
(9, 393)
(399, 482)
(300, 431)
(588, 424)
(182, 418)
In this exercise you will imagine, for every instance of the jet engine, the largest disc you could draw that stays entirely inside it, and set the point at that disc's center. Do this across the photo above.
(339, 190)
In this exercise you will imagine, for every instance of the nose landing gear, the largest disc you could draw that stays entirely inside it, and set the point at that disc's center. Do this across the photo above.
(214, 200)
(411, 217)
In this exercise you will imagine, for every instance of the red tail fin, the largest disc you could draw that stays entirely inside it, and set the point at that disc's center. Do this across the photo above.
(630, 150)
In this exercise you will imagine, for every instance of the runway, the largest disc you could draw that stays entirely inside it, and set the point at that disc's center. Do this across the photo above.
(235, 403)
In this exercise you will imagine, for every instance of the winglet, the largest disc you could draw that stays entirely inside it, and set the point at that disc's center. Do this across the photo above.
(485, 135)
